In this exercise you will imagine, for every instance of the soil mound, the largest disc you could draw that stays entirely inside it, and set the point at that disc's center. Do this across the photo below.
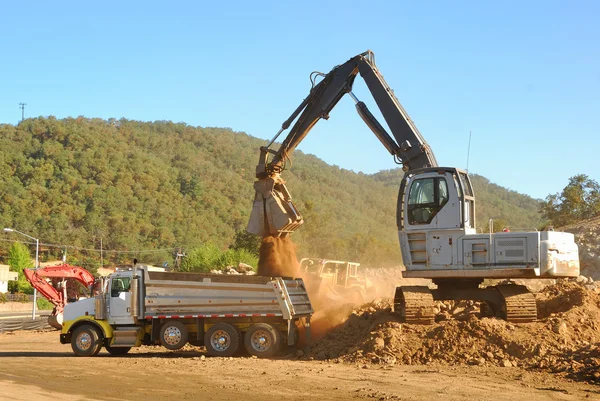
(566, 338)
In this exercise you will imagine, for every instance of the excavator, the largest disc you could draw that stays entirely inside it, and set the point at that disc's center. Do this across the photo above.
(38, 278)
(435, 210)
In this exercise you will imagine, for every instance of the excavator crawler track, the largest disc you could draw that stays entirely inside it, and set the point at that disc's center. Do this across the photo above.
(415, 304)
(519, 304)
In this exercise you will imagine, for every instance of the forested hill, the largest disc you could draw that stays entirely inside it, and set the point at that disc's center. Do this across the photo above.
(141, 185)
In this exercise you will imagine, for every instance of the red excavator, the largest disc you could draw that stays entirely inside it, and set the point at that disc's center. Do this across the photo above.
(51, 282)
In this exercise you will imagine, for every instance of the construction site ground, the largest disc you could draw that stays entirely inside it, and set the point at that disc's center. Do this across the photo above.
(34, 365)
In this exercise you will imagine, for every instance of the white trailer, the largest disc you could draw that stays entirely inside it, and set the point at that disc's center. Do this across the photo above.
(222, 312)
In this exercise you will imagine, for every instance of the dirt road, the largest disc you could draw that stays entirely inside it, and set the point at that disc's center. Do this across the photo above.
(35, 366)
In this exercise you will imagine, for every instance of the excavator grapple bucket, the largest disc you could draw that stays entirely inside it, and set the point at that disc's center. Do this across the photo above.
(273, 212)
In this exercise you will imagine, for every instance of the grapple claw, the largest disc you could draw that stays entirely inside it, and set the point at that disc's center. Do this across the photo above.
(273, 212)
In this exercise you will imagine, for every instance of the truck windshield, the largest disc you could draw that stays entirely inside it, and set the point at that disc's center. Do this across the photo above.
(119, 285)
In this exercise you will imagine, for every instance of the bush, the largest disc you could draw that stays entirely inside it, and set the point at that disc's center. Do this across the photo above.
(43, 304)
(201, 259)
(208, 257)
(233, 257)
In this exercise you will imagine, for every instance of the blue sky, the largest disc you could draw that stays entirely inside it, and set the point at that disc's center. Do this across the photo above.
(524, 77)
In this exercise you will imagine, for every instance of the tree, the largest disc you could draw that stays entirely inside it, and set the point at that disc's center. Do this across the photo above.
(579, 200)
(19, 259)
(247, 241)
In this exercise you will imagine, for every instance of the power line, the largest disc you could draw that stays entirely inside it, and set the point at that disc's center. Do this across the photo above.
(92, 249)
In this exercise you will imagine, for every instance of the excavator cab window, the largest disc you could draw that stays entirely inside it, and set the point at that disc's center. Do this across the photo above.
(119, 285)
(426, 198)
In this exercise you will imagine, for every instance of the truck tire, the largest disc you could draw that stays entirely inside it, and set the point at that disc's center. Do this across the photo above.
(262, 340)
(222, 339)
(86, 340)
(117, 350)
(173, 335)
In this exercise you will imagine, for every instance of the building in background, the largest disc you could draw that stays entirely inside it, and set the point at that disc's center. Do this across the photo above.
(5, 276)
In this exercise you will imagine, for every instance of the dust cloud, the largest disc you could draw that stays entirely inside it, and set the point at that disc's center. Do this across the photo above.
(332, 307)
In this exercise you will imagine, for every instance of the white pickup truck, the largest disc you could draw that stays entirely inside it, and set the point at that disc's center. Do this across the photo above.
(222, 312)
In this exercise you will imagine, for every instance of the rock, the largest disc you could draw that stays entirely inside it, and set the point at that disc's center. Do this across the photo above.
(389, 359)
(202, 358)
(243, 268)
(443, 316)
(479, 361)
(581, 280)
(379, 343)
(560, 328)
(489, 355)
(299, 353)
(506, 363)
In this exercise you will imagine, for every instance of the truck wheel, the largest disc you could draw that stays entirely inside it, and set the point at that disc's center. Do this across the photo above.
(173, 335)
(117, 350)
(262, 340)
(222, 339)
(85, 341)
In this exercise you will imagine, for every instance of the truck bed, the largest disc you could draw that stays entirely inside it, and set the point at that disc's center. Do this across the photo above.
(208, 295)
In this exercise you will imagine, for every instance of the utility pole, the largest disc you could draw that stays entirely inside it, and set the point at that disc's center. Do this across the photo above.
(22, 106)
(101, 256)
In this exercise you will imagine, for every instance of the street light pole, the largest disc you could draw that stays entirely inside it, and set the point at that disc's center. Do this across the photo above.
(37, 265)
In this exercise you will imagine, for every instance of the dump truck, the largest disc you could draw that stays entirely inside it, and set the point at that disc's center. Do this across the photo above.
(224, 313)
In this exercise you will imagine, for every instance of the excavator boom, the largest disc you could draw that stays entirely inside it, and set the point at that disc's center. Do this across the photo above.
(37, 279)
(274, 212)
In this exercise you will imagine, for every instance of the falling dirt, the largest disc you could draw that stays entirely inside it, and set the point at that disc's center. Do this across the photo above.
(277, 257)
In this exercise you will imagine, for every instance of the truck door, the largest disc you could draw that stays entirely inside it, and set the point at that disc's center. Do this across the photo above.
(119, 311)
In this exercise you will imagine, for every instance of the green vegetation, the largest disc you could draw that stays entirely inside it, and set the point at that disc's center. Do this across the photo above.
(208, 257)
(579, 200)
(43, 304)
(161, 185)
(19, 259)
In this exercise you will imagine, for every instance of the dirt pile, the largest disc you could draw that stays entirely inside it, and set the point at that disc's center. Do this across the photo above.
(587, 237)
(566, 339)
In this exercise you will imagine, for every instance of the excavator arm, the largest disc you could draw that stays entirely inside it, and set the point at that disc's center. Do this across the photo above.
(273, 212)
(37, 279)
